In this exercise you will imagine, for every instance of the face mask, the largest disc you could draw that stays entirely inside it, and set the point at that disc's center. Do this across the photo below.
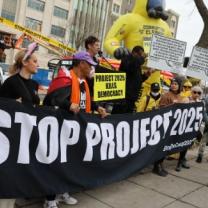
(155, 94)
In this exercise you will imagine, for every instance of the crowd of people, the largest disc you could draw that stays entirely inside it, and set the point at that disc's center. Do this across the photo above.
(74, 93)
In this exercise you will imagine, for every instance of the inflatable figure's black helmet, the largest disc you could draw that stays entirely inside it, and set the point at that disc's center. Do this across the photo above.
(155, 9)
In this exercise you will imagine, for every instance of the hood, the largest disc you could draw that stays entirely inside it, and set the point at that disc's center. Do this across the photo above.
(151, 9)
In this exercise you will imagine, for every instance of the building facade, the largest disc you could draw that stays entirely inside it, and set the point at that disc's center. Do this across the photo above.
(88, 18)
(172, 21)
(127, 6)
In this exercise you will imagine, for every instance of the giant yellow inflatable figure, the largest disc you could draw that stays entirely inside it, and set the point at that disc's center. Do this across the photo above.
(136, 28)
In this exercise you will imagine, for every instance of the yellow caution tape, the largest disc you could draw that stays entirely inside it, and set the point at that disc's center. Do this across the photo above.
(36, 35)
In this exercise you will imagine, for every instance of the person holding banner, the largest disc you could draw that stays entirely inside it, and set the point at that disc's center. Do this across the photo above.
(71, 92)
(22, 88)
(167, 99)
(196, 93)
(204, 139)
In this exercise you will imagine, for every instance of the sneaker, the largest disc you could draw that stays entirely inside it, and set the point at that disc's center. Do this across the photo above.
(50, 204)
(165, 172)
(185, 165)
(159, 172)
(178, 168)
(67, 199)
(199, 159)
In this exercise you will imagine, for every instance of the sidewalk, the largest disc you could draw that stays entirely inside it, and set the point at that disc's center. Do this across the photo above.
(185, 189)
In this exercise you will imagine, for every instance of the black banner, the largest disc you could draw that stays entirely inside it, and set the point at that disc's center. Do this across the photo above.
(46, 151)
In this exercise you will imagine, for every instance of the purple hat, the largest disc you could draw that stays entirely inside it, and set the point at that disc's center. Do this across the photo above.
(84, 56)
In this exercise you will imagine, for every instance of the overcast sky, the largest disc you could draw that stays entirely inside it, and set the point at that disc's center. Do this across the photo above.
(190, 22)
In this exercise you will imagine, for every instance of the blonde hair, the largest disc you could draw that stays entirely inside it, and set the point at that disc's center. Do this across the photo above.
(17, 66)
(197, 89)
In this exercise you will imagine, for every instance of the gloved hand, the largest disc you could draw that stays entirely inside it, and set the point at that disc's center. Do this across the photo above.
(121, 52)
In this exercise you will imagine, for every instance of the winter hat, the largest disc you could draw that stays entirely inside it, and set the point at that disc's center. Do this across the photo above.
(179, 81)
(155, 87)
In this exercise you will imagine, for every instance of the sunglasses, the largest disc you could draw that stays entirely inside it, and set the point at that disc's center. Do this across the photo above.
(187, 87)
(195, 92)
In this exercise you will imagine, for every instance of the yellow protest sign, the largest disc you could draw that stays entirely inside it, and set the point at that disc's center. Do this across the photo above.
(109, 86)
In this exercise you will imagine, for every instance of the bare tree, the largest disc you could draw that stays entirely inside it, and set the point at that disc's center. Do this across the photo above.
(203, 41)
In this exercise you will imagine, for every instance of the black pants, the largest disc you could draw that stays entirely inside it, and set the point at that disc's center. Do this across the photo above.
(157, 163)
(50, 197)
(182, 156)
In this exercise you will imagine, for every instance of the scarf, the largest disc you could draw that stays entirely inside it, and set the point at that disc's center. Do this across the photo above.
(75, 92)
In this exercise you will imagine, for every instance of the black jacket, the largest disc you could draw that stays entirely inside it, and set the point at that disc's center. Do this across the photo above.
(59, 97)
(132, 66)
(16, 87)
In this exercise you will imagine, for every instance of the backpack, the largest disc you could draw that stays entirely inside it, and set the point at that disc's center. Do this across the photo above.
(147, 102)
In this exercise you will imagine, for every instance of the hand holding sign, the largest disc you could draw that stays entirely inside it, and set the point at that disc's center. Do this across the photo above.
(166, 54)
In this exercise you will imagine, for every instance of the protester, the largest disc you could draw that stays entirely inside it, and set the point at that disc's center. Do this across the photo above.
(21, 88)
(131, 64)
(167, 99)
(186, 93)
(196, 94)
(151, 101)
(72, 93)
(204, 132)
(92, 46)
(186, 89)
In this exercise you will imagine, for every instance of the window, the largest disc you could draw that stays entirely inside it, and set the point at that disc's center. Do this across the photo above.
(8, 15)
(9, 9)
(33, 24)
(58, 31)
(37, 5)
(59, 12)
(116, 8)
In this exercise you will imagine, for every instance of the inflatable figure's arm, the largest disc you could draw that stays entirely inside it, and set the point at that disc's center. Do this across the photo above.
(117, 33)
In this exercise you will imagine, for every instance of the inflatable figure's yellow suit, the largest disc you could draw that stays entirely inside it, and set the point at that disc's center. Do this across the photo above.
(136, 28)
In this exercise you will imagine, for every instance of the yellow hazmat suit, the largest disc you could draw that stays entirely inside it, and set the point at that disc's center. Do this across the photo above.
(186, 89)
(136, 28)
